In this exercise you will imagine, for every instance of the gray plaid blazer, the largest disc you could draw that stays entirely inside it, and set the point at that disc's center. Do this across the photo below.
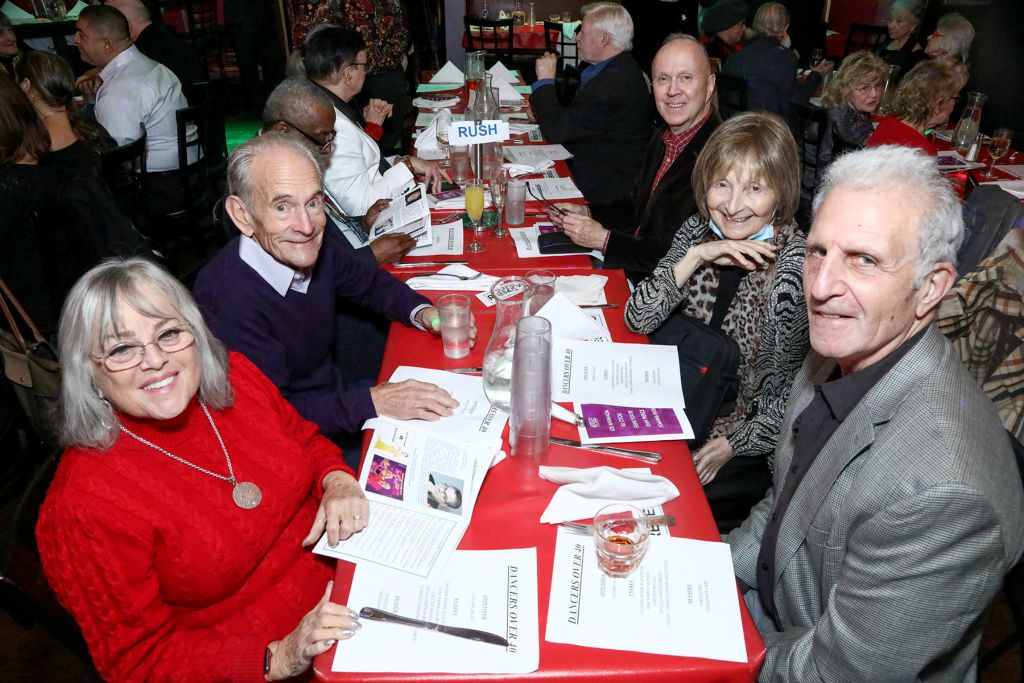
(899, 534)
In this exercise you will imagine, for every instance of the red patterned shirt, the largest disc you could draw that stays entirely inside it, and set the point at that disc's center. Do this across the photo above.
(675, 143)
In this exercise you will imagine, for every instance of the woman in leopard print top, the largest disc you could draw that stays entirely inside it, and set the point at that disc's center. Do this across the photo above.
(747, 188)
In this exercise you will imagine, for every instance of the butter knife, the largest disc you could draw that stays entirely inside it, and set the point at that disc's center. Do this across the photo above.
(649, 456)
(416, 264)
(464, 371)
(469, 633)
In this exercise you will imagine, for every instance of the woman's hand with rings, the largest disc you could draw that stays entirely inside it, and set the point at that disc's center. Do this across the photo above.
(342, 512)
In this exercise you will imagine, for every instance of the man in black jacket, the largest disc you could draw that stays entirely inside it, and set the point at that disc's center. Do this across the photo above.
(642, 226)
(608, 122)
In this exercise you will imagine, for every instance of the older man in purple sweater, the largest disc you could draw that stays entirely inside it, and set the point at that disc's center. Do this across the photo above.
(270, 293)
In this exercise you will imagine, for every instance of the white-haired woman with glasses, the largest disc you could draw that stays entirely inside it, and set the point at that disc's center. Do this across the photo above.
(176, 527)
(950, 43)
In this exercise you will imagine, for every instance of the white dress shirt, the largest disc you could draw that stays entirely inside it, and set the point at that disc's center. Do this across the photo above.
(353, 179)
(138, 92)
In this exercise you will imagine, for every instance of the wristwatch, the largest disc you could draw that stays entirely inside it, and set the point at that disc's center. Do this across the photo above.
(408, 163)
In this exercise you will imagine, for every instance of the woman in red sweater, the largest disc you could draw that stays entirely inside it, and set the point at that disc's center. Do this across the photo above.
(176, 528)
(924, 100)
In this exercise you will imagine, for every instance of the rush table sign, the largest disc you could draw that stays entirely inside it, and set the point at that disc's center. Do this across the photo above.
(477, 132)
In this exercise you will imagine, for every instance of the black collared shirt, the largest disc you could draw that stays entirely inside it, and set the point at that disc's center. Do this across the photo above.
(833, 402)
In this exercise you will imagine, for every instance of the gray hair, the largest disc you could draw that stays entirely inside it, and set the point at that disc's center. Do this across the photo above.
(613, 19)
(957, 34)
(240, 181)
(293, 101)
(91, 314)
(771, 18)
(912, 9)
(940, 229)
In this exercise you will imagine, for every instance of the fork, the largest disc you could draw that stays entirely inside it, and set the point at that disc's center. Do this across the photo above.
(654, 520)
(454, 275)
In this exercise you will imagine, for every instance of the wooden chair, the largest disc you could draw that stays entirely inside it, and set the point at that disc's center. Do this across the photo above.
(210, 40)
(732, 94)
(555, 41)
(124, 170)
(811, 130)
(493, 37)
(865, 37)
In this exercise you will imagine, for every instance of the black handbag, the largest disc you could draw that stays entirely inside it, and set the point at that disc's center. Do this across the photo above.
(32, 368)
(709, 359)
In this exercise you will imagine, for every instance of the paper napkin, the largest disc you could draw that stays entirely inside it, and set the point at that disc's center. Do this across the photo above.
(449, 73)
(582, 289)
(568, 321)
(442, 282)
(585, 491)
(516, 170)
(426, 140)
(500, 72)
(424, 103)
(506, 93)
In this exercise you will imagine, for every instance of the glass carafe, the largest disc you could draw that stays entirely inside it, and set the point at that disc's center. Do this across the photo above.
(966, 132)
(518, 15)
(512, 296)
(531, 15)
(474, 73)
(891, 81)
(530, 422)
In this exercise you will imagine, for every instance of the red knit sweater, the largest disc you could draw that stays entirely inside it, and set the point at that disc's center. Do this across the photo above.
(167, 577)
(892, 131)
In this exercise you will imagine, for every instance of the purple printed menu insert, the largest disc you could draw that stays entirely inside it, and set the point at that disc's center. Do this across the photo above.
(608, 422)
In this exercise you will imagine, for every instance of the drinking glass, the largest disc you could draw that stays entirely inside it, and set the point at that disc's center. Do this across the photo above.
(817, 54)
(554, 17)
(499, 184)
(543, 282)
(566, 16)
(456, 321)
(460, 162)
(999, 146)
(444, 121)
(620, 538)
(475, 211)
(515, 202)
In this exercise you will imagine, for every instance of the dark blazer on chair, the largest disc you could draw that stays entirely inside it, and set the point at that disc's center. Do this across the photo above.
(658, 216)
(606, 127)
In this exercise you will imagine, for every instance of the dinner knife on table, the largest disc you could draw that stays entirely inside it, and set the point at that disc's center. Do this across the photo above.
(649, 456)
(469, 633)
(415, 264)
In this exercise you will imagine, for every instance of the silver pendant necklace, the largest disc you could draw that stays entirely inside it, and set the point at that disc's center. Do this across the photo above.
(245, 494)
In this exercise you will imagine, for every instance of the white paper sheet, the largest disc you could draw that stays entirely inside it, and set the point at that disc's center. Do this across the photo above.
(525, 240)
(593, 372)
(488, 590)
(407, 530)
(447, 240)
(681, 601)
(531, 154)
(1013, 169)
(474, 420)
(569, 321)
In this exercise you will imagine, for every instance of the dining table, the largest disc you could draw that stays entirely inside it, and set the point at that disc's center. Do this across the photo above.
(507, 513)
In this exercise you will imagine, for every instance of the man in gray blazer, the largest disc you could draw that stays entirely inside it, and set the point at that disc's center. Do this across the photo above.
(897, 505)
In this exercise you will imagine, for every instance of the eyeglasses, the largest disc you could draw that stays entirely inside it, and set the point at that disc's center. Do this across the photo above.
(869, 86)
(544, 200)
(127, 355)
(357, 64)
(323, 145)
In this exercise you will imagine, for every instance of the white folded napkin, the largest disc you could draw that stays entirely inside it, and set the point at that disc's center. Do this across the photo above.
(568, 321)
(500, 72)
(582, 289)
(424, 103)
(449, 73)
(457, 202)
(506, 93)
(522, 127)
(426, 140)
(569, 29)
(516, 170)
(585, 491)
(436, 282)
(1014, 187)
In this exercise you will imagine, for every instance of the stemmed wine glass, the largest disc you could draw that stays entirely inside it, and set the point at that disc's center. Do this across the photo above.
(499, 183)
(475, 211)
(999, 146)
(444, 119)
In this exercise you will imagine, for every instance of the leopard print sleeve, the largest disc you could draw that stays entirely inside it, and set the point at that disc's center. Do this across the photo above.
(783, 346)
(654, 299)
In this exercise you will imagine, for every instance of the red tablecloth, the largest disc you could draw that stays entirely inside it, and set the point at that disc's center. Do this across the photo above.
(525, 38)
(960, 177)
(506, 514)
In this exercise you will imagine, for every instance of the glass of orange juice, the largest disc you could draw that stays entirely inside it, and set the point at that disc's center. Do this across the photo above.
(475, 211)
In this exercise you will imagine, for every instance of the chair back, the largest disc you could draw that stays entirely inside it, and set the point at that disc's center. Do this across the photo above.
(194, 175)
(865, 37)
(492, 36)
(555, 41)
(731, 92)
(214, 95)
(124, 170)
(811, 129)
(989, 214)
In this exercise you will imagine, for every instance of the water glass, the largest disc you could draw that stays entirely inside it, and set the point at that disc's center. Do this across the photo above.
(530, 411)
(515, 202)
(453, 310)
(566, 16)
(620, 538)
(543, 282)
(460, 163)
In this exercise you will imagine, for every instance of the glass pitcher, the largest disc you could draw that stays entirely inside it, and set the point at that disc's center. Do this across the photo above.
(512, 296)
(891, 81)
(967, 130)
(474, 73)
(518, 15)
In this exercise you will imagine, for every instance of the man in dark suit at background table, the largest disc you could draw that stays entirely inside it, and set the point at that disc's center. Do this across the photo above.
(607, 124)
